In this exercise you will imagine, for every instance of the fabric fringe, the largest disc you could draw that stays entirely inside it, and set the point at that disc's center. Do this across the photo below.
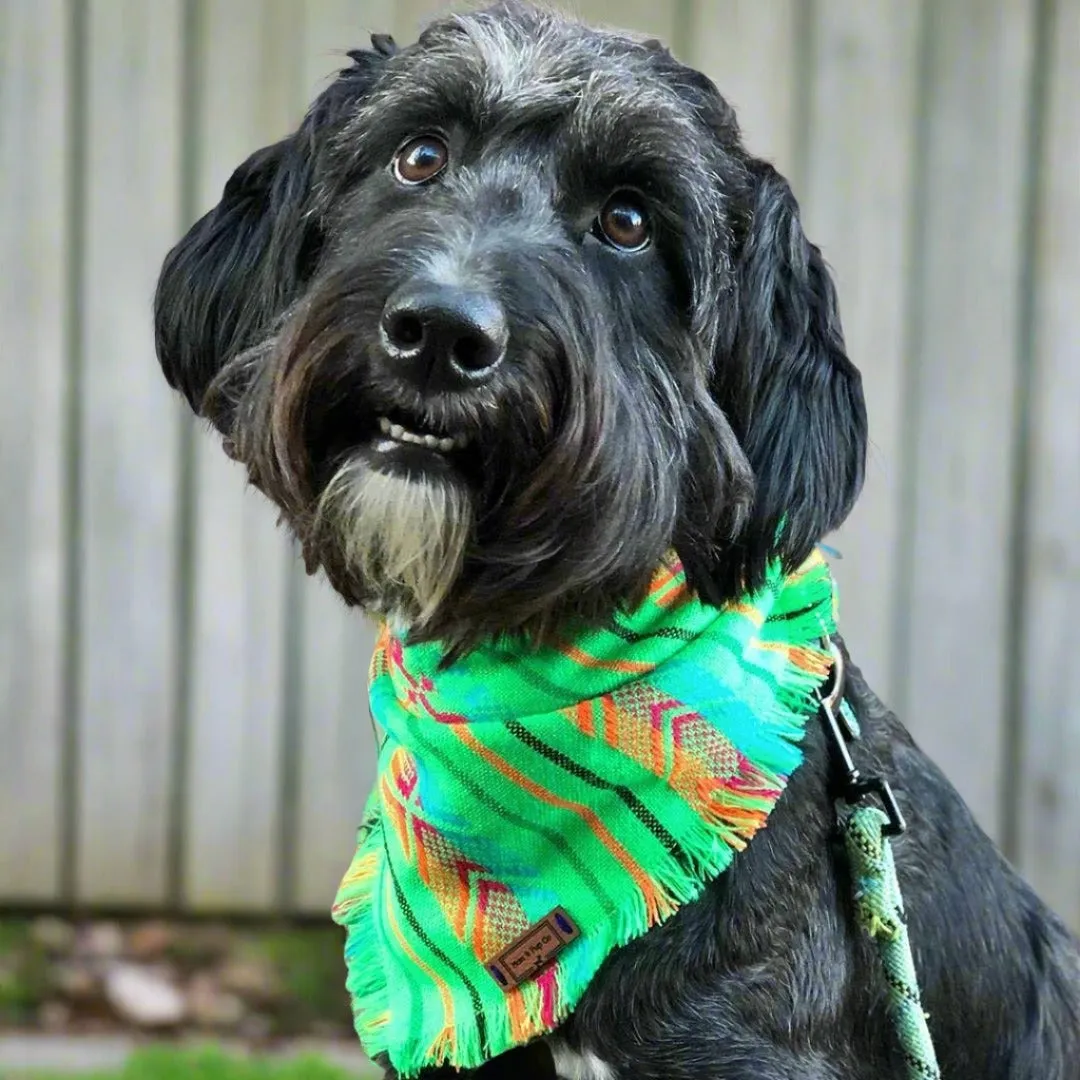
(365, 982)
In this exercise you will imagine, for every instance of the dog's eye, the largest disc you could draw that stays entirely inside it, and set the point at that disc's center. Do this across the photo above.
(421, 159)
(624, 222)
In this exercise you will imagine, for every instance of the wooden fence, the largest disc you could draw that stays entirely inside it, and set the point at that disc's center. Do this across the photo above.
(182, 718)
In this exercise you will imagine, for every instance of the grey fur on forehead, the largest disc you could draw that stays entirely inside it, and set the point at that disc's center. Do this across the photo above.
(525, 52)
(515, 56)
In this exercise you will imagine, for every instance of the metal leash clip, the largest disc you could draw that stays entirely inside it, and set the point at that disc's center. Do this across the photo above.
(854, 788)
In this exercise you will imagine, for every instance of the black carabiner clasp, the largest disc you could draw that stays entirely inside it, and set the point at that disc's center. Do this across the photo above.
(861, 790)
(853, 788)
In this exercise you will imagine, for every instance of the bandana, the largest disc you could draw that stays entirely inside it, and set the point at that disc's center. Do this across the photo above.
(537, 808)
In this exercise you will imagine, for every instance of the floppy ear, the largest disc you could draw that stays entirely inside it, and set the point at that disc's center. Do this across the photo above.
(783, 378)
(239, 267)
(224, 281)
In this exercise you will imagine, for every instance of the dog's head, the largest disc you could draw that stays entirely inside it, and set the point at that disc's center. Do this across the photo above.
(512, 313)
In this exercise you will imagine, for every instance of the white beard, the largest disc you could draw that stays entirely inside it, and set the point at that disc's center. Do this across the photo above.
(406, 532)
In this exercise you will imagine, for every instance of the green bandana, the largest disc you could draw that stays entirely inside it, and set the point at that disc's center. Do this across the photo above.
(535, 809)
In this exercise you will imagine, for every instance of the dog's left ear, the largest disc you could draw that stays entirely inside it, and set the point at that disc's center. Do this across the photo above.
(240, 266)
(791, 394)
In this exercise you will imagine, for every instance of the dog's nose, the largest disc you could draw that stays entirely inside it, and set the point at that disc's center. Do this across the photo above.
(444, 337)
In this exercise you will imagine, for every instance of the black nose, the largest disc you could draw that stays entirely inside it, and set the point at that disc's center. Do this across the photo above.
(444, 337)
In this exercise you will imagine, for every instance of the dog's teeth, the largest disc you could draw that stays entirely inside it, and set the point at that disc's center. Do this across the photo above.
(443, 443)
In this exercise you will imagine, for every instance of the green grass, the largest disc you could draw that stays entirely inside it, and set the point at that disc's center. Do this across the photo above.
(169, 1064)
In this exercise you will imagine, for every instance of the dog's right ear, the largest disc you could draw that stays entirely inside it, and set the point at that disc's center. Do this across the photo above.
(241, 265)
(785, 382)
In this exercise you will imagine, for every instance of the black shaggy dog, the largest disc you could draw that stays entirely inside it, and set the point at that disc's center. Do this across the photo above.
(510, 314)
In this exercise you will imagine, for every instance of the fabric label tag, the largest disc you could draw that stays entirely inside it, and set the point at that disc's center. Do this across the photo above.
(534, 950)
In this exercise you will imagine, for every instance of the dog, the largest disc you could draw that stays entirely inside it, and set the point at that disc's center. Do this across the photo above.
(511, 314)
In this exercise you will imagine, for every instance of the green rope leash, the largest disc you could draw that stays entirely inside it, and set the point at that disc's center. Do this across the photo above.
(880, 910)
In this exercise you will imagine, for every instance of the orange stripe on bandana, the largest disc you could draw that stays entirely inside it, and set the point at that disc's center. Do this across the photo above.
(621, 667)
(657, 904)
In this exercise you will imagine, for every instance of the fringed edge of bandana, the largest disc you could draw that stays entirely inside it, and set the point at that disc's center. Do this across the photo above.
(733, 816)
(352, 910)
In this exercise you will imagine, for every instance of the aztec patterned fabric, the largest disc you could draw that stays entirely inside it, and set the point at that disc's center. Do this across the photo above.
(610, 779)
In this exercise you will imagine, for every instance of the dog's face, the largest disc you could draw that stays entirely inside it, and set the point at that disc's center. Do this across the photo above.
(509, 316)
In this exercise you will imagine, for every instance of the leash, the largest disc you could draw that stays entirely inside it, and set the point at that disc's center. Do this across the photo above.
(879, 906)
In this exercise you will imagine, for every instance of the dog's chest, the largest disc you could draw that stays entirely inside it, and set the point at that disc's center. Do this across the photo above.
(572, 1065)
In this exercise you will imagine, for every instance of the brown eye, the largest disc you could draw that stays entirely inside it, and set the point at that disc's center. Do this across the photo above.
(624, 222)
(420, 159)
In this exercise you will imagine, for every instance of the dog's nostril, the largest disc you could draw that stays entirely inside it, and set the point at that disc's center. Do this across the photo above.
(407, 330)
(474, 353)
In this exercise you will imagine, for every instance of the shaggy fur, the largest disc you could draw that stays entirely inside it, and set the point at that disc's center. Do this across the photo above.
(480, 416)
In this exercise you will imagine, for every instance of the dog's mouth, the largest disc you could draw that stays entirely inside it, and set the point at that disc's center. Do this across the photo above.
(393, 438)
(404, 444)
(391, 434)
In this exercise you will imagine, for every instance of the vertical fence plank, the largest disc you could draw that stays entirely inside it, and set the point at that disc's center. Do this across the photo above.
(34, 240)
(956, 558)
(642, 16)
(1049, 847)
(336, 744)
(247, 54)
(749, 50)
(129, 455)
(328, 29)
(409, 17)
(858, 200)
(337, 765)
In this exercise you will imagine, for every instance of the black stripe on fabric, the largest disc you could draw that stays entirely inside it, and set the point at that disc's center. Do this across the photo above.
(416, 1002)
(558, 842)
(786, 616)
(539, 681)
(632, 637)
(632, 802)
(474, 997)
